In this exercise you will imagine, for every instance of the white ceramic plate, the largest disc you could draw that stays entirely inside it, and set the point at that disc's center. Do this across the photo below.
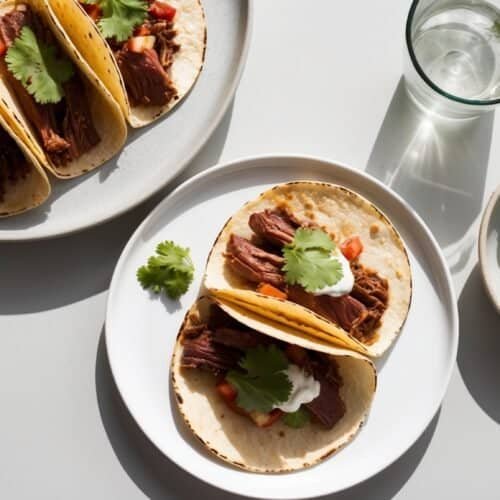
(489, 248)
(141, 330)
(156, 154)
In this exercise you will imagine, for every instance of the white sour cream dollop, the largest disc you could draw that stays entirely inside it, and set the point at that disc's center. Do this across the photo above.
(304, 389)
(345, 284)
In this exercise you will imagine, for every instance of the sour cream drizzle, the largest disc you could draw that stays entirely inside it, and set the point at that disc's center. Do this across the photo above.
(345, 284)
(305, 389)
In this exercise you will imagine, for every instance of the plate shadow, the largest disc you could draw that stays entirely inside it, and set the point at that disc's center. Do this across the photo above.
(439, 166)
(158, 478)
(479, 347)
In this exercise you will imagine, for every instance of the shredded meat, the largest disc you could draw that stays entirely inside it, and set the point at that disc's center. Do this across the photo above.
(346, 311)
(253, 263)
(78, 127)
(203, 353)
(328, 407)
(273, 226)
(65, 130)
(145, 80)
(239, 338)
(13, 164)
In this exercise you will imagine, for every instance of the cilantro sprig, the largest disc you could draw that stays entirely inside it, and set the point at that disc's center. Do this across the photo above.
(120, 17)
(38, 67)
(309, 261)
(297, 419)
(171, 270)
(264, 383)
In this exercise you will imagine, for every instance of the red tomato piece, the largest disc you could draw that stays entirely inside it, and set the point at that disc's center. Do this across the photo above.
(352, 247)
(162, 10)
(226, 391)
(3, 47)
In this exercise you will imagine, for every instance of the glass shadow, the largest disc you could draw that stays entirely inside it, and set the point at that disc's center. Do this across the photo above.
(439, 166)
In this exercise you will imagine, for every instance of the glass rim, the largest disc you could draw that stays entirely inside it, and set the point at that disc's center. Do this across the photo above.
(423, 75)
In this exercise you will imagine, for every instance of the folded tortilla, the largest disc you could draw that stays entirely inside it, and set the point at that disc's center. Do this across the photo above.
(190, 26)
(342, 213)
(30, 187)
(106, 114)
(237, 440)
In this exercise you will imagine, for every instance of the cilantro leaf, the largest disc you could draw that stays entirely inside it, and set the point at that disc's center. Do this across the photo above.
(261, 361)
(297, 419)
(171, 270)
(37, 66)
(120, 17)
(264, 384)
(308, 239)
(309, 261)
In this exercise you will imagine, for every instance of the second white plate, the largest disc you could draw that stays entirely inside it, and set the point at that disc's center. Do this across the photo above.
(141, 330)
(155, 154)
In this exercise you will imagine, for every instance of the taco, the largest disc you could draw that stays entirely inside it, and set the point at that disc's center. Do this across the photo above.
(319, 258)
(147, 53)
(50, 96)
(268, 400)
(23, 183)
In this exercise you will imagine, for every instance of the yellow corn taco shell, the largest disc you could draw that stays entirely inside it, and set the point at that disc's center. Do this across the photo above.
(106, 114)
(276, 449)
(190, 25)
(342, 213)
(29, 190)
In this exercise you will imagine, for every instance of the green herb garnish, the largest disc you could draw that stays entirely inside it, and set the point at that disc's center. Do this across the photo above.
(495, 28)
(171, 270)
(309, 262)
(38, 68)
(120, 17)
(297, 419)
(264, 385)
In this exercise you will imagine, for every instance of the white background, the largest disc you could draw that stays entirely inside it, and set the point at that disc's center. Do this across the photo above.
(323, 78)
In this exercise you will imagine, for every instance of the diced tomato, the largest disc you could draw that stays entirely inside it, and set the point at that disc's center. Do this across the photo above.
(352, 247)
(93, 10)
(296, 355)
(141, 43)
(3, 47)
(162, 10)
(227, 391)
(266, 419)
(142, 31)
(271, 291)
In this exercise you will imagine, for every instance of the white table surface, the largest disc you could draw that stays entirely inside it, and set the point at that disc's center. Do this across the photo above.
(322, 78)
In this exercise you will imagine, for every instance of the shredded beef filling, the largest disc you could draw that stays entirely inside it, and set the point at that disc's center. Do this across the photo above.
(359, 313)
(145, 73)
(13, 165)
(65, 129)
(274, 227)
(254, 264)
(218, 345)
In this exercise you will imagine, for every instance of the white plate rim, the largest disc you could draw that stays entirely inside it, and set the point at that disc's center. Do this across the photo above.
(14, 236)
(235, 164)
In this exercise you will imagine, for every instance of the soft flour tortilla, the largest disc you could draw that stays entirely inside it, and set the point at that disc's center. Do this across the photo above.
(191, 36)
(342, 213)
(235, 439)
(26, 193)
(106, 113)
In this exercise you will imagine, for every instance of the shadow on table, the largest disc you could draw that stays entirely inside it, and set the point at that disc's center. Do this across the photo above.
(479, 348)
(43, 275)
(159, 478)
(438, 166)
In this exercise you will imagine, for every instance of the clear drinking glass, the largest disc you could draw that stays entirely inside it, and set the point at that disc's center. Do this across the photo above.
(453, 63)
